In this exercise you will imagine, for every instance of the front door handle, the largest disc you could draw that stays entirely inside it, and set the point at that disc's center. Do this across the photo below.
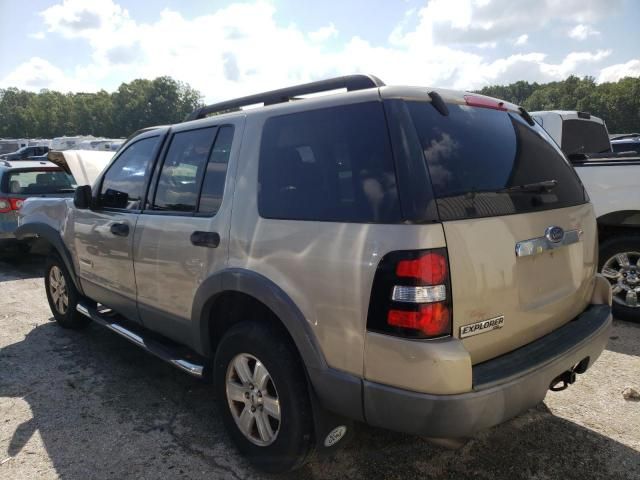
(205, 239)
(120, 229)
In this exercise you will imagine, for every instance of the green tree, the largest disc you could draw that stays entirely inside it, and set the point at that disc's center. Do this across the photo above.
(617, 103)
(137, 104)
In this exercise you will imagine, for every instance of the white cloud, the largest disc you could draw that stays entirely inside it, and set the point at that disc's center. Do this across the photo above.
(468, 22)
(243, 49)
(78, 18)
(522, 39)
(323, 34)
(37, 35)
(614, 73)
(37, 74)
(581, 32)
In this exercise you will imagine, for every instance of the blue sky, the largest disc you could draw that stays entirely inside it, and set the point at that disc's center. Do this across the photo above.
(229, 48)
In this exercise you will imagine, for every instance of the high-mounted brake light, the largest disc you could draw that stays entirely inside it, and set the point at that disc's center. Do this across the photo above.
(484, 102)
(410, 295)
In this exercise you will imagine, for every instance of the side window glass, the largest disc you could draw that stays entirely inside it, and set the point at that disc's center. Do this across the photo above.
(214, 177)
(123, 184)
(331, 164)
(183, 169)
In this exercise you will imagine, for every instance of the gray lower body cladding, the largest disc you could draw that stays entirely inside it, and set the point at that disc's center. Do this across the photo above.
(493, 401)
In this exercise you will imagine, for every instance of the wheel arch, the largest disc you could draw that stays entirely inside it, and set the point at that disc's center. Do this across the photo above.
(618, 222)
(250, 290)
(47, 236)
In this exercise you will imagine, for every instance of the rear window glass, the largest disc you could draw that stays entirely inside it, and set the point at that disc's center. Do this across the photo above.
(626, 147)
(584, 136)
(38, 182)
(473, 154)
(332, 164)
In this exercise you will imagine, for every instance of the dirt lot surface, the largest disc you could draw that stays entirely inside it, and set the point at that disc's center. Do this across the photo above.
(80, 405)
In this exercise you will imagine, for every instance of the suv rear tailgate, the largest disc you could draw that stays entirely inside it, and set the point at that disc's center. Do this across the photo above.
(498, 180)
(535, 294)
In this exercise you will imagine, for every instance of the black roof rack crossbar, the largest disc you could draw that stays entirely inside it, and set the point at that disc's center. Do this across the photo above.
(350, 82)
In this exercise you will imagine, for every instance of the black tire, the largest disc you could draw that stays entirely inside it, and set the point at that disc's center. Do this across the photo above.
(293, 442)
(608, 249)
(67, 317)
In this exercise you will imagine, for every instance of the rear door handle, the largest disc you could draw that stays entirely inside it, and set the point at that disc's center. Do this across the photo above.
(205, 239)
(120, 229)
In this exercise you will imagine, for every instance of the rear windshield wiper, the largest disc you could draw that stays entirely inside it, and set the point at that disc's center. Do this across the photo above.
(537, 187)
(65, 190)
(544, 186)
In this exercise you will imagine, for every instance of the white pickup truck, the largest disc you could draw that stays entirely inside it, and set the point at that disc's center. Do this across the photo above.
(612, 181)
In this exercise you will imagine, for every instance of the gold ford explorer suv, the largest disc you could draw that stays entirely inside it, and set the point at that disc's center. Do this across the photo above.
(420, 260)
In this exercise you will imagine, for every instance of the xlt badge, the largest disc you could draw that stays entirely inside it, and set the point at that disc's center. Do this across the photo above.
(482, 326)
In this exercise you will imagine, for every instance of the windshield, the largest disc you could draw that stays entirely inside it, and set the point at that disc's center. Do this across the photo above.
(486, 162)
(584, 136)
(40, 181)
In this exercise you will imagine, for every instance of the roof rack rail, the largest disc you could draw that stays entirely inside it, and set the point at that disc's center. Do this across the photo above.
(282, 95)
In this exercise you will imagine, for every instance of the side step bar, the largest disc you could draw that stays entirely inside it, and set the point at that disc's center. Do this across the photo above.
(152, 346)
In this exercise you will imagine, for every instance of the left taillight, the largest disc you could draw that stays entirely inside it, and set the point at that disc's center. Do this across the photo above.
(411, 295)
(8, 204)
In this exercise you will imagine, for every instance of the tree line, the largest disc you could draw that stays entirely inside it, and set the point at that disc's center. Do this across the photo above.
(142, 103)
(617, 103)
(134, 105)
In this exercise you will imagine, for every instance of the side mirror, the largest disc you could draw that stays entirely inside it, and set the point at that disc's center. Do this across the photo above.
(82, 197)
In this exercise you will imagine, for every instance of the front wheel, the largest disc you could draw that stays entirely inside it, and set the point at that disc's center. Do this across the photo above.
(620, 264)
(262, 395)
(62, 295)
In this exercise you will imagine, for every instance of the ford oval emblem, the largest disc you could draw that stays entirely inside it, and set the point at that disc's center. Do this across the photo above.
(554, 234)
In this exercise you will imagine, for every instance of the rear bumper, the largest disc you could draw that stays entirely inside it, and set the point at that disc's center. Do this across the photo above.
(502, 388)
(8, 225)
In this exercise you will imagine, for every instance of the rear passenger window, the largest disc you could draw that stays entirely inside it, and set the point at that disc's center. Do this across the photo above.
(216, 173)
(183, 169)
(123, 184)
(332, 164)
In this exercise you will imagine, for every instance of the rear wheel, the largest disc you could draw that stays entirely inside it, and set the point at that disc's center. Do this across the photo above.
(262, 394)
(62, 295)
(620, 264)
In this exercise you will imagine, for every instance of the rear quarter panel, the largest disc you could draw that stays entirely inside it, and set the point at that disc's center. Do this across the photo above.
(54, 212)
(326, 268)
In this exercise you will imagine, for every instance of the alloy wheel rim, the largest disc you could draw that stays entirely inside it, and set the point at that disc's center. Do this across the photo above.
(58, 290)
(253, 399)
(623, 272)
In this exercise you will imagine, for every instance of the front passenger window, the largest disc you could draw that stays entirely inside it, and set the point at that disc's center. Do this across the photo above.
(123, 184)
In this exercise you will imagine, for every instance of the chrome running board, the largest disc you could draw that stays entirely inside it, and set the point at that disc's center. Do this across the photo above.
(160, 350)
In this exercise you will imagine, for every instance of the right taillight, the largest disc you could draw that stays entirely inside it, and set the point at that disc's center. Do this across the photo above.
(411, 295)
(8, 204)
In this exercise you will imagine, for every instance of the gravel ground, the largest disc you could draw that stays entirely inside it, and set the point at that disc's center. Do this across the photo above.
(77, 405)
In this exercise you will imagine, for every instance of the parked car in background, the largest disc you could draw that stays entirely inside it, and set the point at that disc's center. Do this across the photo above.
(23, 179)
(628, 142)
(612, 181)
(101, 144)
(10, 145)
(421, 260)
(25, 153)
